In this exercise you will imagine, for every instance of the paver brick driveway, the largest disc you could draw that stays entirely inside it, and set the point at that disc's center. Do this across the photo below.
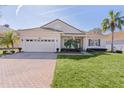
(27, 70)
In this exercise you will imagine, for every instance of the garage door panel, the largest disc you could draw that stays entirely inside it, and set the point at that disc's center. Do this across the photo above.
(46, 45)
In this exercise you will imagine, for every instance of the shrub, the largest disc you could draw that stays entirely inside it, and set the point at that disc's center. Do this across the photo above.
(12, 51)
(70, 50)
(57, 49)
(96, 49)
(71, 44)
(4, 52)
(19, 49)
(119, 51)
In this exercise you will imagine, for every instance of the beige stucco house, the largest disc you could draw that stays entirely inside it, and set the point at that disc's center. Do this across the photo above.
(53, 35)
(118, 41)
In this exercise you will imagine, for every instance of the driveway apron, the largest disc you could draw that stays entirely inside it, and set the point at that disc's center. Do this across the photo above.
(27, 70)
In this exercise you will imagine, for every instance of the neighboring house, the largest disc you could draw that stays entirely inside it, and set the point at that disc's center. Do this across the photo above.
(118, 41)
(4, 28)
(53, 35)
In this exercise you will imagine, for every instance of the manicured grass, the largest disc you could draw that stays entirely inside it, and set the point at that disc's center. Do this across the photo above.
(1, 52)
(101, 70)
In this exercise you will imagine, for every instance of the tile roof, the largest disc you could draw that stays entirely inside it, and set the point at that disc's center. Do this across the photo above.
(95, 31)
(40, 29)
(117, 36)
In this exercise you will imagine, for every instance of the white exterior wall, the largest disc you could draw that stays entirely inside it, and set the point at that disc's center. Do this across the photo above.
(86, 41)
(116, 47)
(119, 46)
(108, 47)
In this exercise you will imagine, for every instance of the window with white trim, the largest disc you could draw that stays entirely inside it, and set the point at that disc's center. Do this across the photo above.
(94, 42)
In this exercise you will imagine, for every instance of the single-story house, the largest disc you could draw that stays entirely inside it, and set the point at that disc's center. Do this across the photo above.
(4, 28)
(118, 41)
(54, 34)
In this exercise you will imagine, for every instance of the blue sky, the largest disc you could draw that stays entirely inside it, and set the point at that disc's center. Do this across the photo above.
(82, 17)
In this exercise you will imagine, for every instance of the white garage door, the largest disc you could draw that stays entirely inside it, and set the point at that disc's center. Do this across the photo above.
(39, 45)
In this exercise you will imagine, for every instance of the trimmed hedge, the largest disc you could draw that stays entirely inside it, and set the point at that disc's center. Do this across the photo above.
(70, 50)
(96, 49)
(119, 51)
(20, 49)
(4, 52)
(12, 51)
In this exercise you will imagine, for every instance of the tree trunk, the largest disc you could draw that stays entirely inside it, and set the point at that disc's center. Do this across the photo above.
(112, 43)
(7, 46)
(12, 45)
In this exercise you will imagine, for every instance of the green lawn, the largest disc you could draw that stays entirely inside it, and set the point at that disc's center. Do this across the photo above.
(101, 70)
(1, 52)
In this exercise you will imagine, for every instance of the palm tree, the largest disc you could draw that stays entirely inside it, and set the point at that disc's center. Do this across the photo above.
(113, 22)
(4, 42)
(9, 38)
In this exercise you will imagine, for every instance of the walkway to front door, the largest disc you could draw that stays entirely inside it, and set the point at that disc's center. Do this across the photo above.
(27, 70)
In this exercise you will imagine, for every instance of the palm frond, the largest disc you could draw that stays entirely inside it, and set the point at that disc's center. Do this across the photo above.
(9, 38)
(119, 25)
(105, 24)
(111, 14)
(117, 14)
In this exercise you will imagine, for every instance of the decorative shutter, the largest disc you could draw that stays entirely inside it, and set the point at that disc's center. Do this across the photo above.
(99, 42)
(89, 42)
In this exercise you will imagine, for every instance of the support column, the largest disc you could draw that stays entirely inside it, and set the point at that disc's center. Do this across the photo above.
(85, 42)
(73, 37)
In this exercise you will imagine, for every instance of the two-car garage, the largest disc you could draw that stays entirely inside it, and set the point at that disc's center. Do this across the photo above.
(39, 40)
(39, 45)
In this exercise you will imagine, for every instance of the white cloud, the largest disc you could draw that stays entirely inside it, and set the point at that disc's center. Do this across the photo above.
(18, 9)
(55, 10)
(75, 14)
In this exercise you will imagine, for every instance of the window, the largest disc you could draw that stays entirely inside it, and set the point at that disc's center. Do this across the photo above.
(45, 40)
(52, 40)
(27, 40)
(48, 40)
(90, 42)
(35, 40)
(41, 40)
(94, 42)
(31, 40)
(98, 42)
